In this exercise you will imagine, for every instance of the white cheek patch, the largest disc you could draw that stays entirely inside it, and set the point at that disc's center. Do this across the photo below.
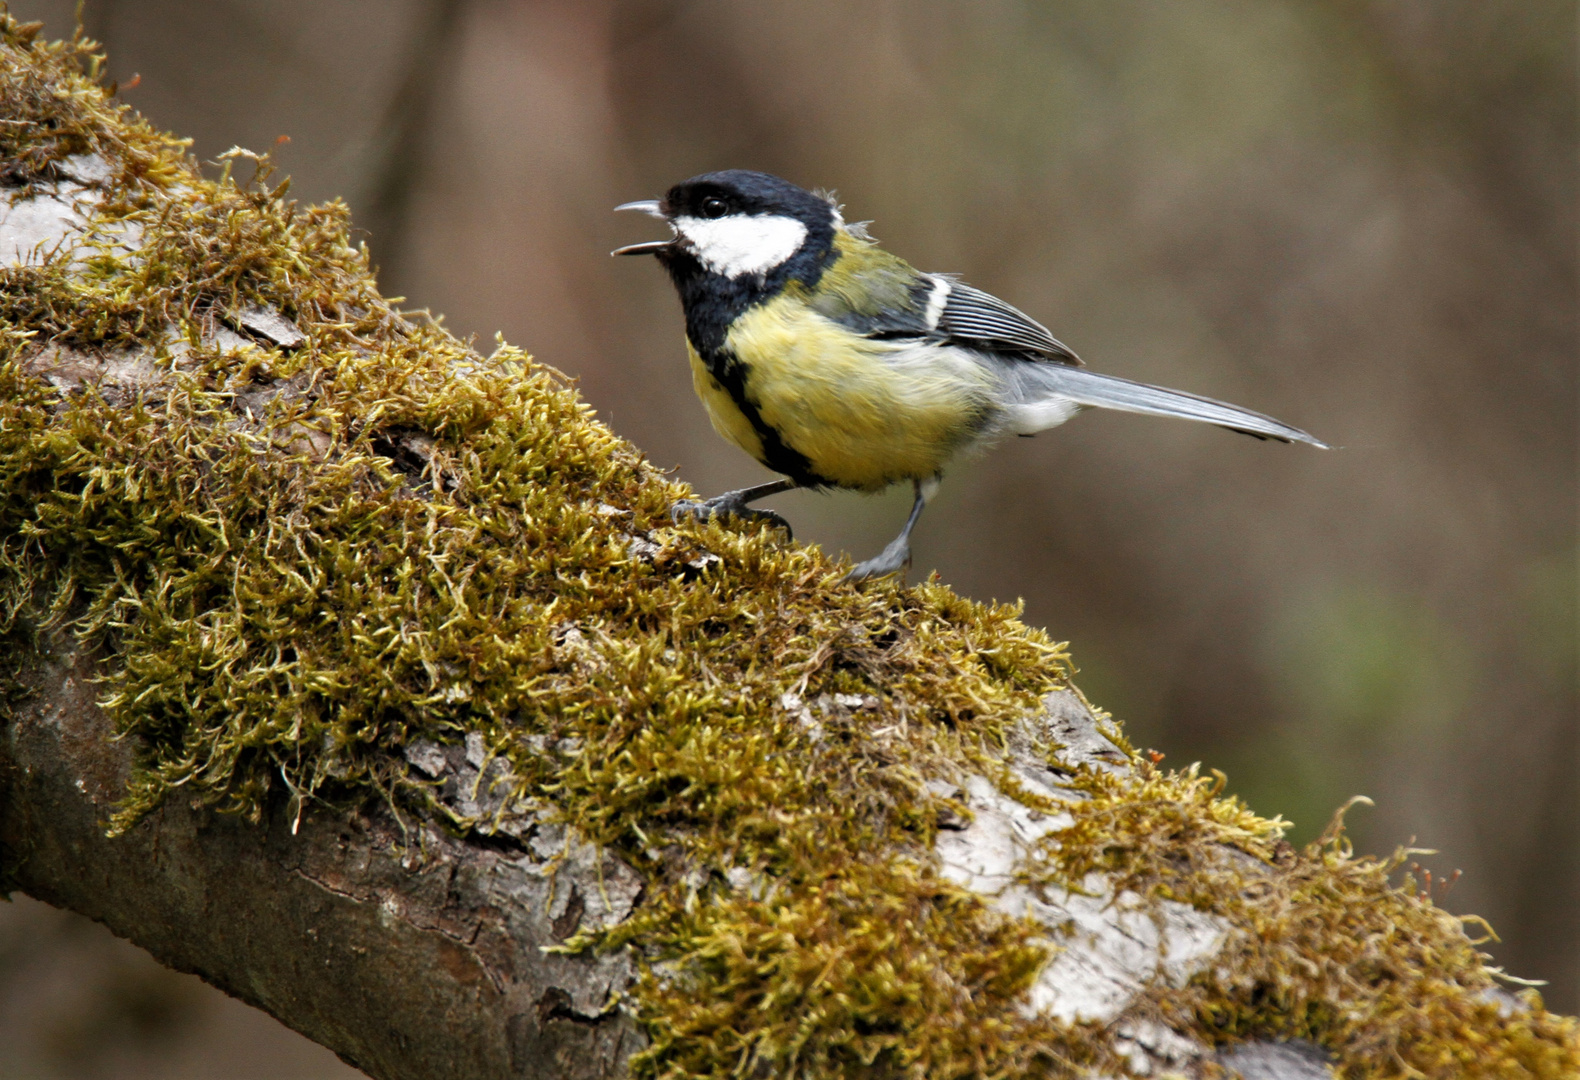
(742, 244)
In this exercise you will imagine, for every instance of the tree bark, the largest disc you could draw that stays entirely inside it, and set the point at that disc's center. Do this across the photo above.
(415, 955)
(408, 952)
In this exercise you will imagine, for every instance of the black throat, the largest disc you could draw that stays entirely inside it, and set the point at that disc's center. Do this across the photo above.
(712, 303)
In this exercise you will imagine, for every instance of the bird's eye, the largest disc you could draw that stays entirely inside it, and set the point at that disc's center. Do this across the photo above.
(714, 207)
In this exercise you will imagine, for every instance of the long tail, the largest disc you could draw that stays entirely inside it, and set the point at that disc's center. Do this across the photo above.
(1088, 388)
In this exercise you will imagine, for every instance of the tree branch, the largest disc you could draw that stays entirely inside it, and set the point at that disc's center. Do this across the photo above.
(406, 951)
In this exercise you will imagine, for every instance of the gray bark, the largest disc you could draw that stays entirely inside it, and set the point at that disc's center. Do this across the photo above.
(411, 954)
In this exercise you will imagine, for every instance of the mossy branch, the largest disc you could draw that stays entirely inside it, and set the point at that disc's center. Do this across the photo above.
(367, 676)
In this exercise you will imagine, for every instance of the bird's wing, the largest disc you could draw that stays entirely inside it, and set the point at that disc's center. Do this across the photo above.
(881, 296)
(958, 313)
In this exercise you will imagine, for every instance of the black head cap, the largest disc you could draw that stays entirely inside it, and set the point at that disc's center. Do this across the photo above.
(741, 191)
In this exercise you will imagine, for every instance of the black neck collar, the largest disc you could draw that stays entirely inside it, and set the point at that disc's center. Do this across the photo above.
(712, 302)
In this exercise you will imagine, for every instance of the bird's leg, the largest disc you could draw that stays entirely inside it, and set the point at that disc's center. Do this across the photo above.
(897, 556)
(734, 504)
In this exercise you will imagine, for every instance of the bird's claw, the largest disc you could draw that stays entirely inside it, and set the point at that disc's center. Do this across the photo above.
(891, 560)
(712, 508)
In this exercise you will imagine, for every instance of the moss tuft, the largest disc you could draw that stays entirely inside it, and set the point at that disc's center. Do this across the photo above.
(1327, 947)
(289, 599)
(54, 108)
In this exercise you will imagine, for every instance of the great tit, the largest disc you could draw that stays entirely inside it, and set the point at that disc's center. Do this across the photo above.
(836, 364)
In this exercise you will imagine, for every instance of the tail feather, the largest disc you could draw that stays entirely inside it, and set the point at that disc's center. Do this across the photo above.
(1088, 388)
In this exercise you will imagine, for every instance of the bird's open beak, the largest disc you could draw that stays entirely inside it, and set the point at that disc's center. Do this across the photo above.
(652, 247)
(655, 209)
(650, 207)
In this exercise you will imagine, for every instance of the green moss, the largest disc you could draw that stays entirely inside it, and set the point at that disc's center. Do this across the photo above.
(1326, 947)
(286, 609)
(54, 107)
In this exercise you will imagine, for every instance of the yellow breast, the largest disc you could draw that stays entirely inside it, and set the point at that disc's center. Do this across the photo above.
(864, 413)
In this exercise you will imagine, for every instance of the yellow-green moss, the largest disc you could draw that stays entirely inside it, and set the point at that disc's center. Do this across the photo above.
(1326, 946)
(287, 610)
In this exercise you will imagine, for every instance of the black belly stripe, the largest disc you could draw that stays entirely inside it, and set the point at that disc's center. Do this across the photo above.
(713, 302)
(777, 455)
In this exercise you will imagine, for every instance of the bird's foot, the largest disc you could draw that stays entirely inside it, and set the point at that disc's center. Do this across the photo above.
(891, 560)
(725, 506)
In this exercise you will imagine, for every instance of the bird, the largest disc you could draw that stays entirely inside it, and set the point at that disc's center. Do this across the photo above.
(838, 365)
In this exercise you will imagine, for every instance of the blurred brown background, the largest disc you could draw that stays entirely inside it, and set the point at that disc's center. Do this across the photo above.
(1357, 215)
